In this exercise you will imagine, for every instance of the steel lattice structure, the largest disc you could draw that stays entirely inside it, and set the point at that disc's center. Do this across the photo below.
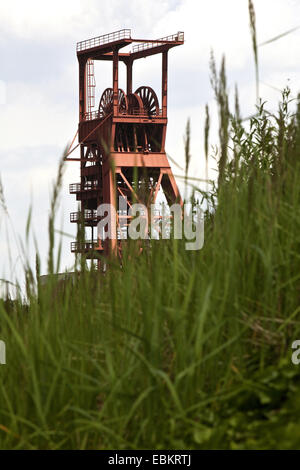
(126, 133)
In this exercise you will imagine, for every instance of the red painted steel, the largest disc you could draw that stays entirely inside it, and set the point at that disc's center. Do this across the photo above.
(179, 37)
(104, 39)
(127, 131)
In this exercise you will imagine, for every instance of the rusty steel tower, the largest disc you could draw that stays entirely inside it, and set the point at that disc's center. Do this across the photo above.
(122, 143)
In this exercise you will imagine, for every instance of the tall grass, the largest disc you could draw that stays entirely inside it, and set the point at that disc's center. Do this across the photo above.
(175, 349)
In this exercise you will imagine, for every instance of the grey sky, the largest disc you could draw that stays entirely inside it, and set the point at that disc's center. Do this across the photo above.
(39, 68)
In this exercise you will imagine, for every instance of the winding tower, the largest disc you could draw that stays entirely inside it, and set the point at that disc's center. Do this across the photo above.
(122, 143)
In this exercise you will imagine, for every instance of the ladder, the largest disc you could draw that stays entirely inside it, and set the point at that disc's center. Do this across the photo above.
(91, 84)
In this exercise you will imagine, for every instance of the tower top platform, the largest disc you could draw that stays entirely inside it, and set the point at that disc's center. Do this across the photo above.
(101, 47)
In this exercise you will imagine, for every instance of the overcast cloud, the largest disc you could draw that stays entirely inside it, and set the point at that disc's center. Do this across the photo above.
(40, 74)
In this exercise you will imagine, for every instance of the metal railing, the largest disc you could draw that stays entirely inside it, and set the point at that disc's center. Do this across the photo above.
(88, 215)
(87, 245)
(138, 112)
(89, 116)
(87, 186)
(178, 37)
(74, 188)
(134, 112)
(104, 39)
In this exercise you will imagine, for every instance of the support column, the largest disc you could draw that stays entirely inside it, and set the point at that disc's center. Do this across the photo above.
(109, 197)
(129, 77)
(164, 85)
(82, 156)
(170, 188)
(115, 81)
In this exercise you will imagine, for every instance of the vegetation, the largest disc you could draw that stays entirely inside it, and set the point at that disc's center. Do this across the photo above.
(175, 349)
